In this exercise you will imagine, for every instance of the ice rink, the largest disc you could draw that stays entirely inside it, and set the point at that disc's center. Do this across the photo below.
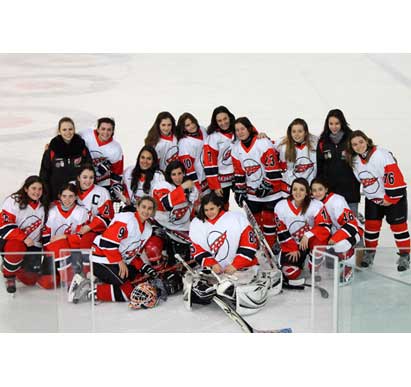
(36, 90)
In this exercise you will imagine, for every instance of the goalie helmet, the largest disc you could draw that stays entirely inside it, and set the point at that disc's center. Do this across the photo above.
(143, 296)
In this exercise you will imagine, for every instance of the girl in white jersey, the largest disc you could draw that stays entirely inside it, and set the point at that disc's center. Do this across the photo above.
(191, 137)
(140, 179)
(60, 234)
(21, 221)
(297, 153)
(162, 137)
(385, 196)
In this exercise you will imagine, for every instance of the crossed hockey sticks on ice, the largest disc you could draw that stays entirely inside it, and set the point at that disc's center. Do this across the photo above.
(229, 311)
(271, 258)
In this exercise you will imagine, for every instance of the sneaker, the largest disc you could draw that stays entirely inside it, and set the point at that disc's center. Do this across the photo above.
(75, 282)
(403, 261)
(83, 291)
(368, 258)
(10, 284)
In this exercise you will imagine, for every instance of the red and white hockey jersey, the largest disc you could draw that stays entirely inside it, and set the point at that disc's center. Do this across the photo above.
(380, 177)
(61, 222)
(167, 150)
(101, 151)
(305, 164)
(218, 165)
(98, 202)
(254, 164)
(123, 240)
(227, 240)
(134, 196)
(191, 154)
(174, 209)
(345, 224)
(292, 225)
(20, 224)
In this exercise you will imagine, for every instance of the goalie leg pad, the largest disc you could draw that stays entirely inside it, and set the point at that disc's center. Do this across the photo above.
(251, 298)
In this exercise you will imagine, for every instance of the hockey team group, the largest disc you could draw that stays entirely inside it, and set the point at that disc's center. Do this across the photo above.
(164, 225)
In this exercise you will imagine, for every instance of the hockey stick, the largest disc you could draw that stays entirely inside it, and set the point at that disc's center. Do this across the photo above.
(267, 250)
(229, 311)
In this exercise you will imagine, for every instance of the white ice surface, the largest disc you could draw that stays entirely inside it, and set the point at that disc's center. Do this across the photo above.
(374, 91)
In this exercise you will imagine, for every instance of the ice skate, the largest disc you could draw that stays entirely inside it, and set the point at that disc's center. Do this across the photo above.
(75, 282)
(10, 285)
(403, 261)
(368, 258)
(346, 274)
(83, 291)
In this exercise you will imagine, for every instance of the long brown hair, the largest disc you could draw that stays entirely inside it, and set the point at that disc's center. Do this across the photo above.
(209, 198)
(351, 153)
(153, 135)
(290, 152)
(307, 199)
(180, 128)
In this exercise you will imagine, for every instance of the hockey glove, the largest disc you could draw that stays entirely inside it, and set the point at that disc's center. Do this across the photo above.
(264, 189)
(173, 283)
(103, 167)
(240, 195)
(147, 269)
(115, 190)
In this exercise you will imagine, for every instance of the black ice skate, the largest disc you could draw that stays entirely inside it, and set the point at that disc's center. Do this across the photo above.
(368, 258)
(403, 261)
(10, 284)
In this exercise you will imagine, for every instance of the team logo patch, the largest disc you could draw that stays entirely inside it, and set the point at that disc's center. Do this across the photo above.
(132, 250)
(252, 170)
(172, 154)
(218, 244)
(65, 229)
(177, 214)
(303, 167)
(227, 156)
(298, 228)
(370, 183)
(30, 225)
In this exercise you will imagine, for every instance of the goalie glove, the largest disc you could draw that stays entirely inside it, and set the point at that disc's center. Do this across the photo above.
(116, 190)
(240, 195)
(147, 269)
(264, 189)
(104, 167)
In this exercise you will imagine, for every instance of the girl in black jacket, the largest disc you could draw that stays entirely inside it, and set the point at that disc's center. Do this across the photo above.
(331, 159)
(65, 154)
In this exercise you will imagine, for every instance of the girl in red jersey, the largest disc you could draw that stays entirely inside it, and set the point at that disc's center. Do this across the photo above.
(190, 149)
(162, 137)
(385, 196)
(60, 234)
(140, 179)
(21, 221)
(302, 223)
(257, 175)
(297, 153)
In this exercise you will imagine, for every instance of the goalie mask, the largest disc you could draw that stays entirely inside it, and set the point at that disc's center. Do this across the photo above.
(143, 296)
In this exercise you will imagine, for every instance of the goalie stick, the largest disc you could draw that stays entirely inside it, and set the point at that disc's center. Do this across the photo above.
(229, 311)
(268, 252)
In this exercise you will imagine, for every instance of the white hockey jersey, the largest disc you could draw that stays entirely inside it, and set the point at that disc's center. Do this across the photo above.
(254, 164)
(292, 225)
(134, 196)
(105, 151)
(218, 164)
(191, 154)
(61, 222)
(174, 208)
(123, 240)
(305, 164)
(167, 151)
(97, 201)
(380, 177)
(20, 224)
(227, 240)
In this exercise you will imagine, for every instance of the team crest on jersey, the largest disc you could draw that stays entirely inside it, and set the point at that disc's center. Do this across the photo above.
(65, 229)
(303, 167)
(132, 250)
(252, 170)
(177, 214)
(218, 244)
(30, 225)
(298, 228)
(227, 156)
(370, 183)
(172, 154)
